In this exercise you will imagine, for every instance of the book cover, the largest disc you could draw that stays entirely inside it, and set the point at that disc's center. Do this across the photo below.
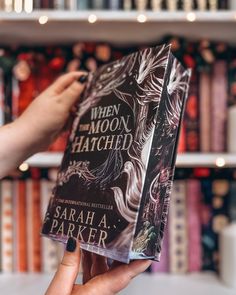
(114, 184)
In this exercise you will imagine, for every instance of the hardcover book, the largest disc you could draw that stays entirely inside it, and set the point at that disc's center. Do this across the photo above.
(113, 187)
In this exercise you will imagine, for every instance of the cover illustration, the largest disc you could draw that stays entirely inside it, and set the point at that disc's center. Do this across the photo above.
(114, 183)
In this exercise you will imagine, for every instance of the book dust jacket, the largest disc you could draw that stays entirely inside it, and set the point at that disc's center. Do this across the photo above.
(114, 183)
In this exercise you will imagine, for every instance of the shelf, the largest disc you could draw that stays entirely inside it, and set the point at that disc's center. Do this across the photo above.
(183, 160)
(152, 284)
(66, 27)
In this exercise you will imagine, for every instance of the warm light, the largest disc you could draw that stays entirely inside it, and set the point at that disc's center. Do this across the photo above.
(92, 18)
(24, 167)
(18, 6)
(43, 20)
(191, 17)
(220, 162)
(141, 18)
(28, 6)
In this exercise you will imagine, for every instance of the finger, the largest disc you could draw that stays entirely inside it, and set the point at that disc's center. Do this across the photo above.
(117, 278)
(64, 279)
(70, 95)
(86, 265)
(65, 81)
(99, 265)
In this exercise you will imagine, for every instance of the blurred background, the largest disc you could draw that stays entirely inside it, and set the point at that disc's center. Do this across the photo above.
(41, 39)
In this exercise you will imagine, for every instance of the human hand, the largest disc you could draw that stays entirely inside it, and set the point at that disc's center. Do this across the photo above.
(98, 279)
(48, 114)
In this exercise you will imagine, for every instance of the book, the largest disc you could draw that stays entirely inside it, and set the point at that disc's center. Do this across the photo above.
(193, 201)
(6, 231)
(20, 236)
(219, 106)
(114, 183)
(178, 232)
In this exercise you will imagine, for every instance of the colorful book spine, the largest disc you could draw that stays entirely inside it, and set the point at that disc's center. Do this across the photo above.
(163, 265)
(232, 201)
(6, 231)
(20, 236)
(205, 111)
(192, 115)
(178, 250)
(193, 201)
(219, 106)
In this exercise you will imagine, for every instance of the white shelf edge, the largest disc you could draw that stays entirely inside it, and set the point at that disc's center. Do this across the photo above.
(120, 15)
(53, 159)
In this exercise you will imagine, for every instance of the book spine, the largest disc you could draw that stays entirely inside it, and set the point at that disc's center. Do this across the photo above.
(156, 5)
(6, 226)
(59, 4)
(71, 4)
(182, 139)
(141, 4)
(194, 225)
(202, 5)
(83, 4)
(231, 131)
(29, 219)
(172, 5)
(192, 116)
(232, 4)
(1, 97)
(98, 4)
(127, 4)
(178, 229)
(36, 220)
(37, 5)
(213, 5)
(20, 222)
(163, 265)
(232, 202)
(205, 111)
(48, 247)
(8, 5)
(219, 106)
(15, 96)
(114, 4)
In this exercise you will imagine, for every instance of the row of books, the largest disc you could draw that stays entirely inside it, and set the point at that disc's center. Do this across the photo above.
(25, 72)
(200, 209)
(171, 5)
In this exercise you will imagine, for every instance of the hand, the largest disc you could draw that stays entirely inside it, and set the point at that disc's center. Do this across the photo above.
(98, 279)
(41, 122)
(48, 114)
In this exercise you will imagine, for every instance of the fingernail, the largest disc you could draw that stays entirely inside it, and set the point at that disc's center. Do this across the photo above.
(82, 79)
(71, 245)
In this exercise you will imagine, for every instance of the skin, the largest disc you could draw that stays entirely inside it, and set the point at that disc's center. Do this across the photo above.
(33, 132)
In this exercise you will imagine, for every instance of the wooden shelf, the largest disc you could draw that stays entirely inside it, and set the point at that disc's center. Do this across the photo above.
(65, 27)
(183, 160)
(152, 284)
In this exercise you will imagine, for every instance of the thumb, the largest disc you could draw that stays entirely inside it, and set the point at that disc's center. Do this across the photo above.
(67, 272)
(71, 94)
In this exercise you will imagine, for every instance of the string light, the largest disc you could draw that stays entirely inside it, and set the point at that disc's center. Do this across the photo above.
(220, 162)
(92, 18)
(191, 17)
(141, 18)
(24, 167)
(43, 20)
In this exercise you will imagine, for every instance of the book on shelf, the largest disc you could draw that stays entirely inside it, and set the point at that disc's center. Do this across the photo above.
(113, 186)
